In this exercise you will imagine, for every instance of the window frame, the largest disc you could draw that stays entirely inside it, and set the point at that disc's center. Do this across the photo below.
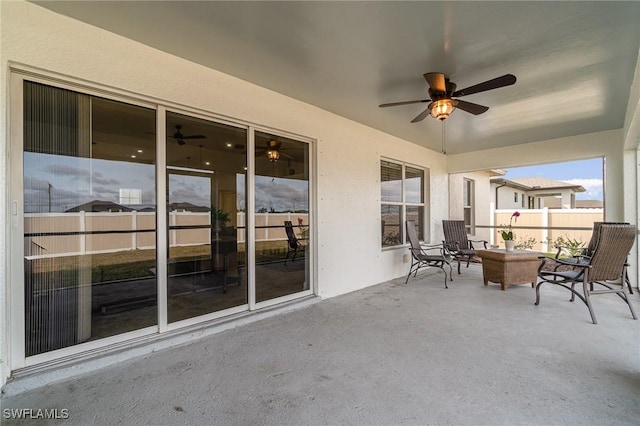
(469, 185)
(403, 204)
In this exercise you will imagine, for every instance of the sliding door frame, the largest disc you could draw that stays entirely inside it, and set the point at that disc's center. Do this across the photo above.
(15, 301)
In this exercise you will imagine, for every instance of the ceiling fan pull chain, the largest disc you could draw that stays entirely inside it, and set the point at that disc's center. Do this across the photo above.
(443, 150)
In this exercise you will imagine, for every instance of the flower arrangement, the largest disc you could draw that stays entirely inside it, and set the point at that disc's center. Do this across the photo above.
(508, 233)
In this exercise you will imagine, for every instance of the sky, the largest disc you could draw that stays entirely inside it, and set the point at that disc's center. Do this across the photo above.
(587, 173)
(68, 181)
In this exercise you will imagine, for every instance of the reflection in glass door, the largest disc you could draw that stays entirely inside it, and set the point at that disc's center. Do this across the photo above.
(89, 221)
(206, 166)
(282, 254)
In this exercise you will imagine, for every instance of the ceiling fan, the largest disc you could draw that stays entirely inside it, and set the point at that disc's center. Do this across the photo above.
(274, 150)
(442, 91)
(180, 137)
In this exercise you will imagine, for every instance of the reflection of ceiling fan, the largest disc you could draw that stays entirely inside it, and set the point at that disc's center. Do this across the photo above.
(180, 137)
(274, 150)
(441, 92)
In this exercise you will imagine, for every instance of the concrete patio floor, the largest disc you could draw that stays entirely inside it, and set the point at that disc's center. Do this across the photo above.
(386, 355)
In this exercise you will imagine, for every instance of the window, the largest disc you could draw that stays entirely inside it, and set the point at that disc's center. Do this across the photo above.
(468, 205)
(532, 204)
(523, 200)
(402, 198)
(515, 197)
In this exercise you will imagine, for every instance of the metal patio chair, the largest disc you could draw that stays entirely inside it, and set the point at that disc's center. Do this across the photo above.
(426, 255)
(293, 243)
(587, 252)
(607, 263)
(457, 242)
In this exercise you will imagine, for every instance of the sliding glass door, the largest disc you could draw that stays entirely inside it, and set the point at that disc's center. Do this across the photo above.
(282, 249)
(206, 167)
(233, 226)
(89, 221)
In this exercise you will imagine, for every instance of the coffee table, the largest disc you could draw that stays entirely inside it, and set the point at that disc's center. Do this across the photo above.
(509, 267)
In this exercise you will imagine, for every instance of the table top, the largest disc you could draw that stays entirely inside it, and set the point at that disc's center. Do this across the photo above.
(502, 254)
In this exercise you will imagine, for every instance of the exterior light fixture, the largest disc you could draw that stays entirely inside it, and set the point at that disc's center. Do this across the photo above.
(441, 108)
(273, 155)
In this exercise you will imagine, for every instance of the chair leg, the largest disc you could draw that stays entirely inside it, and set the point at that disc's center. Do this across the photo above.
(626, 294)
(413, 263)
(458, 259)
(586, 286)
(538, 293)
(633, 312)
(628, 282)
(441, 266)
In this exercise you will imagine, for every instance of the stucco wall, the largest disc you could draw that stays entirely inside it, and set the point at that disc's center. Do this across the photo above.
(482, 200)
(348, 154)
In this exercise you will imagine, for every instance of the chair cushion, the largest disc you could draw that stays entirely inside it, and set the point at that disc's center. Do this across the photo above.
(466, 252)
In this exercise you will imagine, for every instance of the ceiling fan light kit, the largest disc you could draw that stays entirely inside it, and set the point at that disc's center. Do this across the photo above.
(273, 155)
(441, 109)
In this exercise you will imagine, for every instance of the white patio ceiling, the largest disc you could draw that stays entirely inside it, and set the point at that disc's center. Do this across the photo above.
(575, 61)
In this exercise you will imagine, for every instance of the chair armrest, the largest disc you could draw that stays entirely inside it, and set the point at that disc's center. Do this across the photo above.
(478, 241)
(451, 246)
(560, 262)
(440, 248)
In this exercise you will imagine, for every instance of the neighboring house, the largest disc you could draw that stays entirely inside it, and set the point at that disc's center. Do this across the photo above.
(188, 207)
(470, 198)
(531, 193)
(99, 206)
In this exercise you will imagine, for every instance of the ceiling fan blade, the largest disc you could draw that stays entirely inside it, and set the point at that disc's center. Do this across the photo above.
(285, 155)
(421, 116)
(194, 137)
(436, 81)
(404, 103)
(505, 80)
(470, 107)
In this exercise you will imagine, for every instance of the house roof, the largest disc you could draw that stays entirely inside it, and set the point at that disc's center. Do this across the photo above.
(538, 183)
(349, 57)
(98, 206)
(188, 207)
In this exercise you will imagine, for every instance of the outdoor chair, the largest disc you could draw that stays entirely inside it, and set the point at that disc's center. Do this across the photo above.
(456, 241)
(606, 264)
(586, 253)
(293, 243)
(426, 255)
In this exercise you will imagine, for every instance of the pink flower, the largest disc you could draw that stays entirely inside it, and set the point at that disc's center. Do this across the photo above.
(508, 234)
(300, 220)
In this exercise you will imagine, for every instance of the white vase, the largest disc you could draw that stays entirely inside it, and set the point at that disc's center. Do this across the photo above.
(509, 245)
